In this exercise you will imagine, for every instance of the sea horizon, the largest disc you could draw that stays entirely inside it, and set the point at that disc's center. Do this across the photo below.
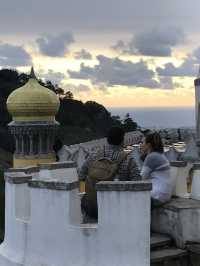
(158, 117)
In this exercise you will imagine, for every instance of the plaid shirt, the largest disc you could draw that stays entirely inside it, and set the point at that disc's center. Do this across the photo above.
(127, 170)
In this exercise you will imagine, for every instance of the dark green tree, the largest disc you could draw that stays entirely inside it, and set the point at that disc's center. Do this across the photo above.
(129, 124)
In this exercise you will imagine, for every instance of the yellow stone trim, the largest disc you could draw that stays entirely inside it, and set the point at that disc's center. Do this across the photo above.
(82, 186)
(34, 118)
(17, 162)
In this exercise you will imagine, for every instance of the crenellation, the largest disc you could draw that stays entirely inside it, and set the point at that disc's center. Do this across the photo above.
(124, 186)
(57, 165)
(53, 184)
(17, 178)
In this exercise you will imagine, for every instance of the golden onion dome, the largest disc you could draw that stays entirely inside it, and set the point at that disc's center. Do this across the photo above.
(33, 102)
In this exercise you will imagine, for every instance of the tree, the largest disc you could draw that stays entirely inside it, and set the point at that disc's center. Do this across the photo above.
(68, 95)
(129, 124)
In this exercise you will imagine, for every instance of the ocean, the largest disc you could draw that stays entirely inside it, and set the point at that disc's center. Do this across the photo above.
(158, 117)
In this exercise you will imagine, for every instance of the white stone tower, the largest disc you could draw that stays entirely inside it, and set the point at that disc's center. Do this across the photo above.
(197, 105)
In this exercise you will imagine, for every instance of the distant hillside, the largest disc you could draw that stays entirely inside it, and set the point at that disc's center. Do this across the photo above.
(79, 121)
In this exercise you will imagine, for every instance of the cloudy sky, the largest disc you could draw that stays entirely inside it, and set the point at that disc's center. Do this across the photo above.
(116, 52)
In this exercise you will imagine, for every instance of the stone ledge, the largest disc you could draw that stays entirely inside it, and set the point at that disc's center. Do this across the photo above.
(193, 247)
(17, 178)
(27, 170)
(177, 204)
(53, 184)
(178, 163)
(33, 123)
(196, 166)
(124, 186)
(57, 165)
(179, 219)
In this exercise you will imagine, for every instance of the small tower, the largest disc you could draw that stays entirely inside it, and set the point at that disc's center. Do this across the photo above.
(33, 108)
(197, 105)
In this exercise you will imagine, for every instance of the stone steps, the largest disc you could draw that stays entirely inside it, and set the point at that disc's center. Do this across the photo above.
(169, 256)
(163, 253)
(158, 241)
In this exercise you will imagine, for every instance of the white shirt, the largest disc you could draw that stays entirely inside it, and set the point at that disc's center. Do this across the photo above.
(157, 168)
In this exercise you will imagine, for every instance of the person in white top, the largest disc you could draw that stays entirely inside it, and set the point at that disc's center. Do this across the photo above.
(156, 167)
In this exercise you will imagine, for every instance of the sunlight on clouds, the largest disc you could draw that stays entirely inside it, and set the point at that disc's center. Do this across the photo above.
(116, 96)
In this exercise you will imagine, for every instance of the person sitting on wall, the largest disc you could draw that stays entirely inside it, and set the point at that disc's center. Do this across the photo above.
(113, 162)
(157, 168)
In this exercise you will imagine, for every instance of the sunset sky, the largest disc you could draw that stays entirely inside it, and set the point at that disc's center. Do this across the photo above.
(126, 53)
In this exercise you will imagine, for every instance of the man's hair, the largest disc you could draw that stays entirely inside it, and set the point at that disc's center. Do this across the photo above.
(156, 141)
(115, 136)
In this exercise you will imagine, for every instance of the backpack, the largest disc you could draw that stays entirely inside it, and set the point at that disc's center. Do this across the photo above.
(101, 169)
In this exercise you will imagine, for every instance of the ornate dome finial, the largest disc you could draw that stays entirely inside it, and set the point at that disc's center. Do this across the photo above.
(32, 74)
(33, 102)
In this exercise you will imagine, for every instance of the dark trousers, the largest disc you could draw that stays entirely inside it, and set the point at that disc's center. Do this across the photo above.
(89, 207)
(155, 203)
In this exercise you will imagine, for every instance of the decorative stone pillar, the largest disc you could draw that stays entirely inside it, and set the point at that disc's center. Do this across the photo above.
(40, 143)
(31, 144)
(33, 108)
(17, 144)
(40, 135)
(23, 148)
(195, 190)
(180, 173)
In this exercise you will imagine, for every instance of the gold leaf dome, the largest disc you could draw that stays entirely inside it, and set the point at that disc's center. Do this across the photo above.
(33, 102)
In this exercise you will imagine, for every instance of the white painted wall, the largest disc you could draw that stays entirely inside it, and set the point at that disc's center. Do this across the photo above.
(197, 110)
(195, 190)
(180, 176)
(54, 235)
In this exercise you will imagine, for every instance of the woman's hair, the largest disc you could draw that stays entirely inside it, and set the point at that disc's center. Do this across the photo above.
(115, 136)
(156, 141)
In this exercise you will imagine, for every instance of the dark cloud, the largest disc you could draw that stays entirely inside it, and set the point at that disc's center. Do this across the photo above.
(83, 54)
(39, 16)
(166, 83)
(54, 77)
(156, 42)
(55, 45)
(114, 71)
(187, 68)
(13, 55)
(196, 55)
(121, 47)
(77, 88)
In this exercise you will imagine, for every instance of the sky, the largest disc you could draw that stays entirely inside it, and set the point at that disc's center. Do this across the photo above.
(120, 53)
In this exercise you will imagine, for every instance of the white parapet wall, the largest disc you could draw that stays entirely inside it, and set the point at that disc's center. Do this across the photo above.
(180, 174)
(195, 190)
(47, 229)
(79, 152)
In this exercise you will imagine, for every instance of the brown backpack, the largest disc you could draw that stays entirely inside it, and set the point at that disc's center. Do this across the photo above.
(101, 169)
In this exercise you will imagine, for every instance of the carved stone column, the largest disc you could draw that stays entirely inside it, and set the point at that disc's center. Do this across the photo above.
(16, 144)
(31, 144)
(40, 143)
(23, 146)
